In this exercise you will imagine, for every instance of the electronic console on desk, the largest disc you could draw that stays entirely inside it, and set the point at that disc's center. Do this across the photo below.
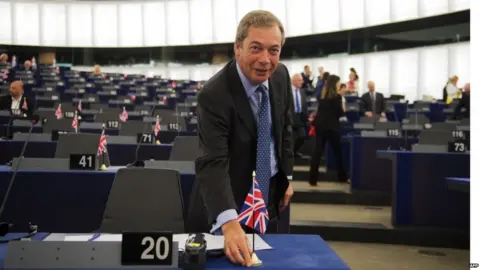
(195, 253)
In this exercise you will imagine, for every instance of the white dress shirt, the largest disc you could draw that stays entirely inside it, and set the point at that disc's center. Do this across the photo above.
(16, 103)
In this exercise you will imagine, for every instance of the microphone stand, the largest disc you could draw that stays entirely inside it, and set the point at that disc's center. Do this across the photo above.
(141, 163)
(5, 226)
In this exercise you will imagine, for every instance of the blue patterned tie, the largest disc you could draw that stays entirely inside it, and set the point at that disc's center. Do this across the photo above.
(263, 171)
(297, 101)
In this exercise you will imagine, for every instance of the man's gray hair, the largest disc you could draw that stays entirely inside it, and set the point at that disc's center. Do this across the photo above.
(258, 18)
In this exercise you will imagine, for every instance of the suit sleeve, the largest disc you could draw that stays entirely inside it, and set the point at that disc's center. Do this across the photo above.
(363, 105)
(287, 135)
(3, 103)
(341, 112)
(211, 166)
(384, 106)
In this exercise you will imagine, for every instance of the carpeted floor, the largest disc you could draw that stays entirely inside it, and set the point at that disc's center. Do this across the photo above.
(362, 256)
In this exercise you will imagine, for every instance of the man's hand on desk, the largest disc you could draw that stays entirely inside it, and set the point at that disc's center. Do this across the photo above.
(368, 114)
(237, 247)
(287, 197)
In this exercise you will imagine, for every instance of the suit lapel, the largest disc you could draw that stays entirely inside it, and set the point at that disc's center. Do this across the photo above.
(242, 104)
(276, 106)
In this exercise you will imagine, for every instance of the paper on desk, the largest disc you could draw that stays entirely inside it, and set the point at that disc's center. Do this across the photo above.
(214, 242)
(79, 237)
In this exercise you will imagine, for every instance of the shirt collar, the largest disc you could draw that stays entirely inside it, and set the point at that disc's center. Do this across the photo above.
(19, 98)
(249, 87)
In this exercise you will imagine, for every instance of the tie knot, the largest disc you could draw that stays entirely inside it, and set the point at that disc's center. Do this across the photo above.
(261, 89)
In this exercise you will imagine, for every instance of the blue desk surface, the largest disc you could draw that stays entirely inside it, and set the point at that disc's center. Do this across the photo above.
(289, 252)
(458, 179)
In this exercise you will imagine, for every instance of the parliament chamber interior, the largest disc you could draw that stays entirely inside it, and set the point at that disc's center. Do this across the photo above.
(105, 131)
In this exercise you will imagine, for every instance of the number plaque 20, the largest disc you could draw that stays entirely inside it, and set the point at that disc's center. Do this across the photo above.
(143, 248)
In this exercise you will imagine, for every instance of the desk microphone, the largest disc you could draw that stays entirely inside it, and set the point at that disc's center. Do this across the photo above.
(141, 163)
(5, 226)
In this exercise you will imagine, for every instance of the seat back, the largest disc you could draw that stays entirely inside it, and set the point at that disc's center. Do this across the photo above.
(185, 148)
(144, 200)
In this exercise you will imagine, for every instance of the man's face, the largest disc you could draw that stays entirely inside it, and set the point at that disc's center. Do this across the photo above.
(307, 70)
(371, 86)
(16, 89)
(297, 81)
(258, 55)
(321, 70)
(27, 64)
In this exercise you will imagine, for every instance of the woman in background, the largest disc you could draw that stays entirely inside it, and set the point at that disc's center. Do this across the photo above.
(352, 84)
(327, 128)
(450, 91)
(320, 85)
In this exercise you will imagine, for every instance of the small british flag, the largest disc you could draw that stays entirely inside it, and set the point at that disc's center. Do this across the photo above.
(5, 74)
(254, 212)
(25, 104)
(75, 122)
(124, 115)
(79, 107)
(102, 145)
(58, 112)
(156, 130)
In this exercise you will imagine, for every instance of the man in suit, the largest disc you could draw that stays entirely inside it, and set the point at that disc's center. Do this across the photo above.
(244, 125)
(373, 103)
(17, 102)
(307, 77)
(299, 114)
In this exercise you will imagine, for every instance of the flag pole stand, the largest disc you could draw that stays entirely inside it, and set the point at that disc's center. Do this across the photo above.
(103, 167)
(255, 260)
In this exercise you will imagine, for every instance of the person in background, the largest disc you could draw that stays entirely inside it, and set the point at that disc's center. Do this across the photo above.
(307, 77)
(17, 102)
(352, 84)
(372, 102)
(450, 90)
(97, 71)
(27, 66)
(321, 70)
(463, 103)
(341, 92)
(299, 114)
(244, 125)
(319, 88)
(3, 59)
(327, 129)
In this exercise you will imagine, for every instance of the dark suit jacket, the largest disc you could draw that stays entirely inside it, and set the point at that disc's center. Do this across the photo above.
(463, 103)
(307, 82)
(366, 102)
(227, 133)
(300, 120)
(6, 104)
(329, 112)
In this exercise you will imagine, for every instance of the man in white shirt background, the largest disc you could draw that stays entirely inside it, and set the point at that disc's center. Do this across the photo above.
(373, 102)
(17, 102)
